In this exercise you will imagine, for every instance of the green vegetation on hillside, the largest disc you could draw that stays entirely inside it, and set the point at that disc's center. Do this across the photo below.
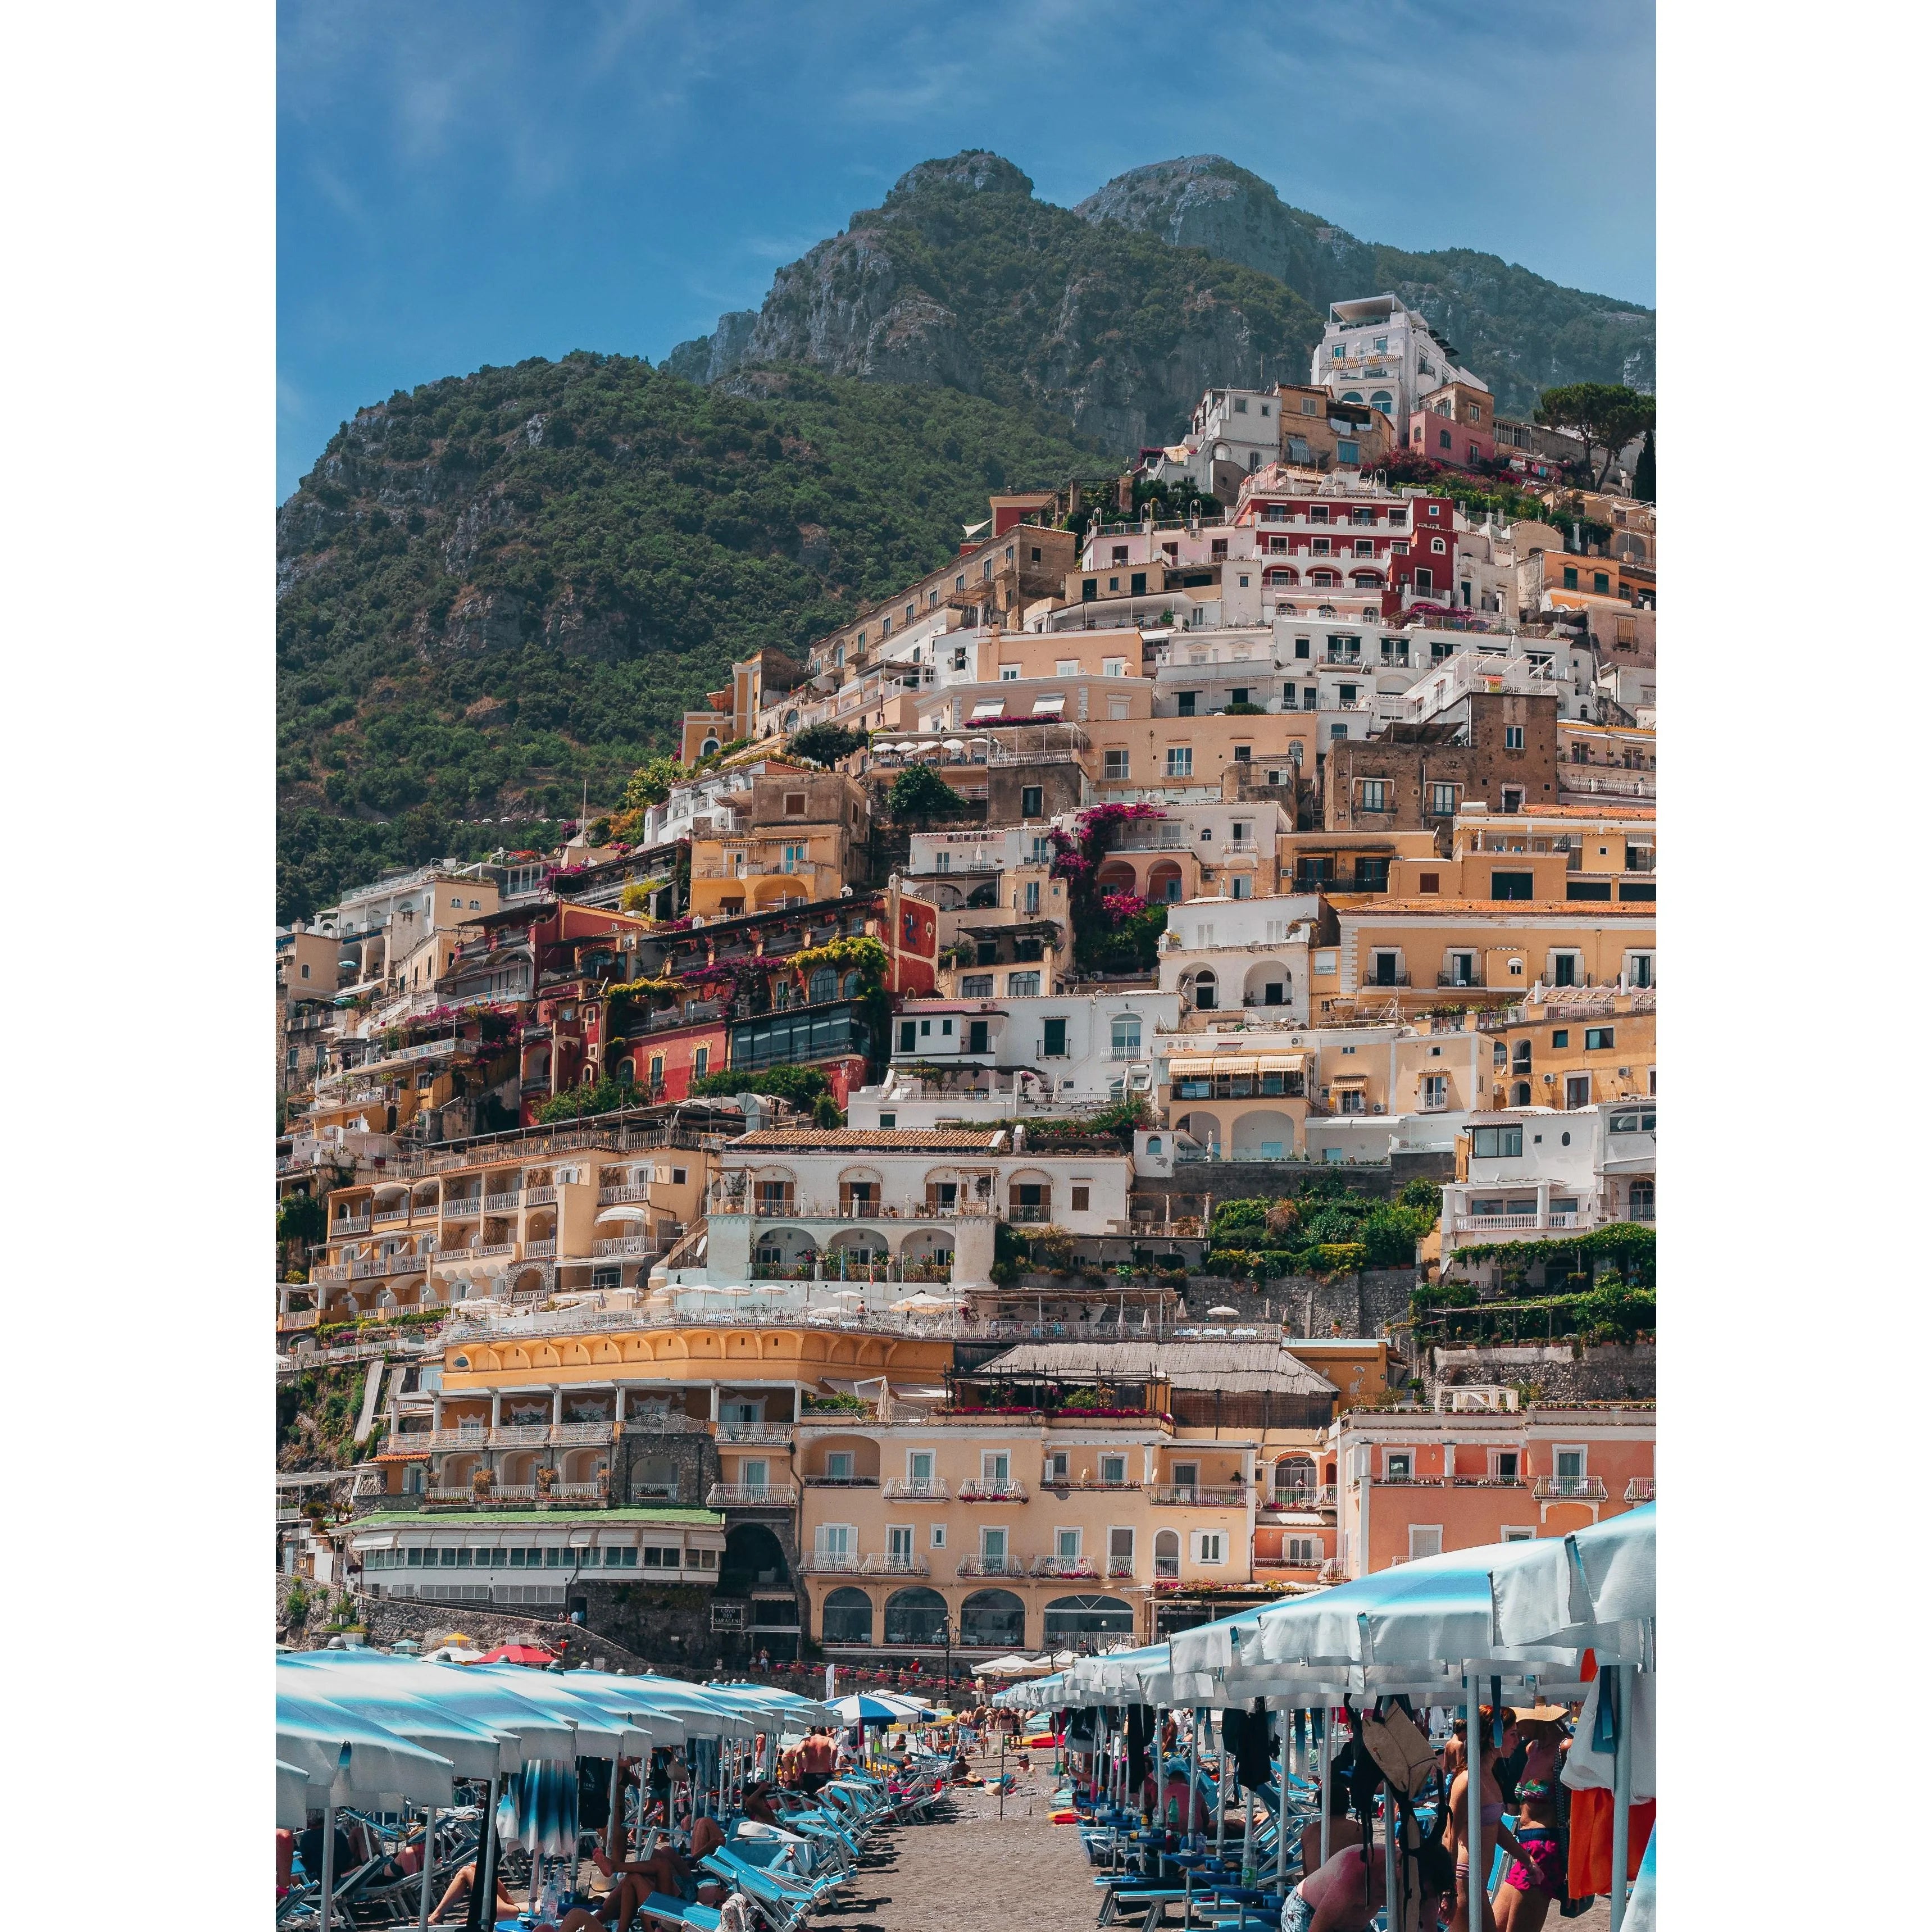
(504, 584)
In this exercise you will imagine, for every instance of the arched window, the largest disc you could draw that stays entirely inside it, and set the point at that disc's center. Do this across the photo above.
(1352, 395)
(847, 1617)
(1294, 1479)
(705, 750)
(849, 986)
(1520, 1097)
(994, 1617)
(824, 985)
(627, 1071)
(1204, 990)
(1381, 400)
(914, 1615)
(1070, 1617)
(1167, 1553)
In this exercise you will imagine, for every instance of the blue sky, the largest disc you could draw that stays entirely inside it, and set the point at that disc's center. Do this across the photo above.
(473, 183)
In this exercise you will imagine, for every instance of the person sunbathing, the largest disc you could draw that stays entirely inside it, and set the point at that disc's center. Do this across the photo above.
(456, 1898)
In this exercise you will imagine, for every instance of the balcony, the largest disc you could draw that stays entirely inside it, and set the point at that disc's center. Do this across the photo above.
(775, 1434)
(1290, 1499)
(639, 1246)
(1459, 979)
(1021, 1214)
(654, 1492)
(520, 1435)
(1066, 1566)
(831, 1563)
(910, 1490)
(1377, 980)
(750, 1495)
(462, 1207)
(537, 1250)
(1324, 1497)
(1570, 1490)
(478, 1250)
(893, 1563)
(580, 1493)
(1640, 1489)
(992, 1566)
(1506, 1224)
(993, 1489)
(475, 1436)
(501, 1204)
(1199, 1496)
(580, 1435)
(350, 1224)
(615, 1197)
(537, 1197)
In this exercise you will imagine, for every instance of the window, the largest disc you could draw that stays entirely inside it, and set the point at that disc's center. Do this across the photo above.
(939, 1536)
(1066, 1544)
(1114, 1470)
(1180, 761)
(1117, 765)
(1022, 985)
(919, 1466)
(1029, 895)
(1053, 1039)
(700, 1061)
(794, 804)
(1512, 737)
(976, 986)
(794, 859)
(1599, 1039)
(1127, 1037)
(1425, 1539)
(1375, 795)
(1512, 885)
(1009, 673)
(1210, 1546)
(1569, 577)
(993, 1547)
(838, 1465)
(1497, 1143)
(1186, 701)
(1030, 798)
(1398, 1466)
(1442, 801)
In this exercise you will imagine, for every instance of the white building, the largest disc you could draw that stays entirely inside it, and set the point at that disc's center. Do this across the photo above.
(821, 1205)
(1535, 1173)
(380, 925)
(1378, 350)
(1073, 1050)
(1231, 429)
(1248, 956)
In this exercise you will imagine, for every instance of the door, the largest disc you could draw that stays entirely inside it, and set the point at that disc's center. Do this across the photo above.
(753, 1473)
(993, 1550)
(1120, 1553)
(899, 1546)
(919, 1468)
(977, 1036)
(1577, 1090)
(995, 1466)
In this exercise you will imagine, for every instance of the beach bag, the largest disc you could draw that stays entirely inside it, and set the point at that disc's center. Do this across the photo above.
(1400, 1751)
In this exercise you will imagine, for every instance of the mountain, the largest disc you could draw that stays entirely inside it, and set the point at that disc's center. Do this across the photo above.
(496, 587)
(963, 279)
(1520, 332)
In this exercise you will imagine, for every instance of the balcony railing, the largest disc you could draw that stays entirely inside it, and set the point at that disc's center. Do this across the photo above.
(750, 1495)
(1166, 1568)
(462, 1207)
(1640, 1489)
(769, 1432)
(1475, 979)
(831, 1563)
(520, 1435)
(890, 1564)
(613, 1197)
(350, 1224)
(1199, 1496)
(580, 1435)
(812, 1482)
(1020, 1213)
(537, 1197)
(477, 1437)
(992, 1566)
(1289, 1499)
(910, 1490)
(537, 1250)
(581, 1492)
(1502, 1224)
(1375, 979)
(502, 1203)
(1569, 1489)
(1066, 1566)
(993, 1489)
(1324, 1497)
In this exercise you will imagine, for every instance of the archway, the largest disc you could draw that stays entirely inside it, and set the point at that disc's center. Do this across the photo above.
(1164, 884)
(846, 1617)
(853, 1253)
(1068, 1618)
(1295, 1479)
(1116, 876)
(1264, 1135)
(1204, 1129)
(914, 1615)
(753, 1557)
(1200, 987)
(994, 1619)
(1269, 983)
(784, 1254)
(1167, 1552)
(926, 1254)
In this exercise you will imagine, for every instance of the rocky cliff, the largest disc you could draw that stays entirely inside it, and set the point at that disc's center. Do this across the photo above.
(1118, 313)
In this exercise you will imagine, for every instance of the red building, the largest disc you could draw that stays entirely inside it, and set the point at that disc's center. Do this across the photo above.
(1337, 546)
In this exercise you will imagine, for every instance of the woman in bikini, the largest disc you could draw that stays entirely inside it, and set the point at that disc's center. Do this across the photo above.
(1523, 1900)
(1455, 1836)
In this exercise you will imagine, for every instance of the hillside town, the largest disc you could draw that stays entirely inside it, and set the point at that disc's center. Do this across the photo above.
(1119, 1087)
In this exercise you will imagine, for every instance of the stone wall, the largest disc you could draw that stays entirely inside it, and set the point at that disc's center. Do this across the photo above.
(1348, 1304)
(1617, 1372)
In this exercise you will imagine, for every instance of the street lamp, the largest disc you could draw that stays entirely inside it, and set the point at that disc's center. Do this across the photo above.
(944, 1633)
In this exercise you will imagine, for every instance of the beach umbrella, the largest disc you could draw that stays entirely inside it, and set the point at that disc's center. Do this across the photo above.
(538, 1809)
(533, 1655)
(869, 1707)
(1564, 1588)
(481, 1697)
(293, 1791)
(473, 1749)
(1224, 1311)
(922, 1304)
(351, 1757)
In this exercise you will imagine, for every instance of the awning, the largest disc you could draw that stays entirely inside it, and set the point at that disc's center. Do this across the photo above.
(1190, 1067)
(992, 707)
(1052, 707)
(1199, 1067)
(1280, 1063)
(1349, 1080)
(622, 1214)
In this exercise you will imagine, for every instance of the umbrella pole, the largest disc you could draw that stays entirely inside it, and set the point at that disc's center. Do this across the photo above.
(485, 1874)
(614, 1829)
(428, 1863)
(1621, 1779)
(1193, 1780)
(329, 1862)
(1221, 1793)
(1281, 1816)
(1393, 1915)
(1472, 1825)
(1327, 1771)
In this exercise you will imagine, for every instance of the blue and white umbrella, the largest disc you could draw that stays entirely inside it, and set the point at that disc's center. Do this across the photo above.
(538, 1809)
(868, 1707)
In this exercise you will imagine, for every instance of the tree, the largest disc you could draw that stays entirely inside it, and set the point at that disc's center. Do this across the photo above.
(1644, 489)
(824, 744)
(920, 792)
(301, 1219)
(650, 784)
(1606, 414)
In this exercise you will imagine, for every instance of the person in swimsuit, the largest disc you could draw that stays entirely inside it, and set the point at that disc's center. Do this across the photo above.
(1523, 1899)
(1455, 1836)
(1344, 1896)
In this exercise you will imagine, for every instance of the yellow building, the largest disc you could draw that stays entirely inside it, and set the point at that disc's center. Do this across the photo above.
(798, 836)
